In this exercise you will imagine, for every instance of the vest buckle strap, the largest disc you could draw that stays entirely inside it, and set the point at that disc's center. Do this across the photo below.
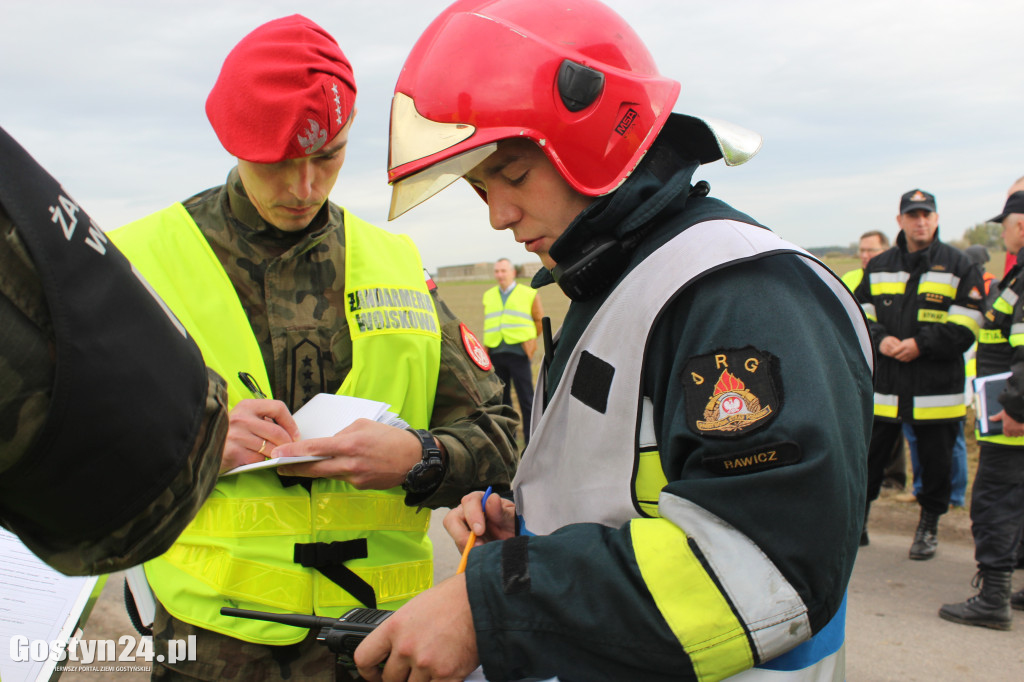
(329, 558)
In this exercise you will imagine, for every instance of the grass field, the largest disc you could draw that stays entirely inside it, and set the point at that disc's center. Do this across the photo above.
(464, 298)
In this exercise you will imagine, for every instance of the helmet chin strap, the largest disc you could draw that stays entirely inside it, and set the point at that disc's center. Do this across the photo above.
(601, 260)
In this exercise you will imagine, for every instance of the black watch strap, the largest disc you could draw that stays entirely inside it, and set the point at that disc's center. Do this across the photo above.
(427, 474)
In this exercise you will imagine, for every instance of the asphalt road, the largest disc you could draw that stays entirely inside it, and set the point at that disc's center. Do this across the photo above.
(893, 630)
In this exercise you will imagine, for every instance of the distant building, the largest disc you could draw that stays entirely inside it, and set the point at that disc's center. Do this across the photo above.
(528, 269)
(476, 271)
(450, 273)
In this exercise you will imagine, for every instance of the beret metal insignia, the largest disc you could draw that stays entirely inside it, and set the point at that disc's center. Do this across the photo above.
(731, 392)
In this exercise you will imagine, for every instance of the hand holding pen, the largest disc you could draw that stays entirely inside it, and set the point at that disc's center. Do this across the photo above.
(480, 518)
(256, 427)
(472, 535)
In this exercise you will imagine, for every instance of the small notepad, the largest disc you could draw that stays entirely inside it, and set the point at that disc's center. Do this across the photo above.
(324, 416)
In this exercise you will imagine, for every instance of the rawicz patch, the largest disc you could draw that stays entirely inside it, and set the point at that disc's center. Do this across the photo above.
(731, 392)
(756, 459)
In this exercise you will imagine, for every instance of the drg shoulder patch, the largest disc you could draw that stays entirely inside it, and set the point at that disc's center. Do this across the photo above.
(730, 393)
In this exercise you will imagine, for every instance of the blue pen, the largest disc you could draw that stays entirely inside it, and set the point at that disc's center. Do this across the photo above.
(472, 536)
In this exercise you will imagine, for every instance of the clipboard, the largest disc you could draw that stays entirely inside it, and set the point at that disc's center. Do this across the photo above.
(986, 402)
(38, 603)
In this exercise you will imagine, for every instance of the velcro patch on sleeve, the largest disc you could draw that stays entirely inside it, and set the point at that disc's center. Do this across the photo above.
(515, 565)
(592, 381)
(731, 392)
(756, 459)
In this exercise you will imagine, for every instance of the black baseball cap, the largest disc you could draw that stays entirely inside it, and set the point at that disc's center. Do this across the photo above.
(1014, 204)
(917, 199)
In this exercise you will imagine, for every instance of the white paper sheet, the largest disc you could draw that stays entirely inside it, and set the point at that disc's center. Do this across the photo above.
(36, 602)
(326, 414)
(272, 463)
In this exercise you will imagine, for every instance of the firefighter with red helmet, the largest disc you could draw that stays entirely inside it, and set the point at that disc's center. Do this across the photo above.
(690, 503)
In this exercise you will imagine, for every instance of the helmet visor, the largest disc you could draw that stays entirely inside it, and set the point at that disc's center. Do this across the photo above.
(414, 189)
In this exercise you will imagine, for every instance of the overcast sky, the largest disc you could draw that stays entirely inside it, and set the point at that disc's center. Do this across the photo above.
(857, 102)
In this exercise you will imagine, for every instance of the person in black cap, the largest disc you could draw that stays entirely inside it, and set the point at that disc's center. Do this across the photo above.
(923, 302)
(997, 499)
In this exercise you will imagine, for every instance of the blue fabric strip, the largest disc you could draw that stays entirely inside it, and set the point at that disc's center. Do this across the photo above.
(824, 644)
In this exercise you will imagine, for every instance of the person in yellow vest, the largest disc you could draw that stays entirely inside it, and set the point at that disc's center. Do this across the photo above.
(871, 244)
(290, 296)
(512, 323)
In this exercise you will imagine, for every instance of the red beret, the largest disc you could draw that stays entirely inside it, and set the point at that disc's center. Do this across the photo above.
(284, 91)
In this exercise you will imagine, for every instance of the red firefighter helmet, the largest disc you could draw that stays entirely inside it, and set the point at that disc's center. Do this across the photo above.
(570, 75)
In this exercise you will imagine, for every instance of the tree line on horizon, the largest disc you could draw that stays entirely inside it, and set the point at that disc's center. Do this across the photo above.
(989, 235)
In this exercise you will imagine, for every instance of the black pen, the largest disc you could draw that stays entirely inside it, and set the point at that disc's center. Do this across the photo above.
(250, 383)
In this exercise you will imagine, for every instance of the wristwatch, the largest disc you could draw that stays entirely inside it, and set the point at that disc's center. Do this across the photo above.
(427, 474)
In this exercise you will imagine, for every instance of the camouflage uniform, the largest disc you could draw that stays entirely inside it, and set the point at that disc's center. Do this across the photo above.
(291, 286)
(26, 380)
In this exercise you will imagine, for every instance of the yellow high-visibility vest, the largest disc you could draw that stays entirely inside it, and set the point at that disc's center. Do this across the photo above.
(853, 278)
(511, 322)
(239, 550)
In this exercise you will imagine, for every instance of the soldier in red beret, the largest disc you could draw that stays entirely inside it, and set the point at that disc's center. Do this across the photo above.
(290, 296)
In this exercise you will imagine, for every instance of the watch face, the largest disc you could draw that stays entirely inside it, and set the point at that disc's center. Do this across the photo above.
(425, 476)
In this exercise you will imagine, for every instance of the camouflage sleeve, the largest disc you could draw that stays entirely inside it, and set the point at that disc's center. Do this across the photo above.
(475, 428)
(26, 379)
(26, 349)
(153, 530)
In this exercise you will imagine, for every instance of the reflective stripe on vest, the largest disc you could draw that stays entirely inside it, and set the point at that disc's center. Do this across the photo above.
(891, 283)
(1006, 301)
(948, 406)
(511, 322)
(887, 405)
(650, 476)
(559, 458)
(1000, 439)
(971, 364)
(1017, 334)
(939, 283)
(965, 317)
(239, 550)
(706, 624)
